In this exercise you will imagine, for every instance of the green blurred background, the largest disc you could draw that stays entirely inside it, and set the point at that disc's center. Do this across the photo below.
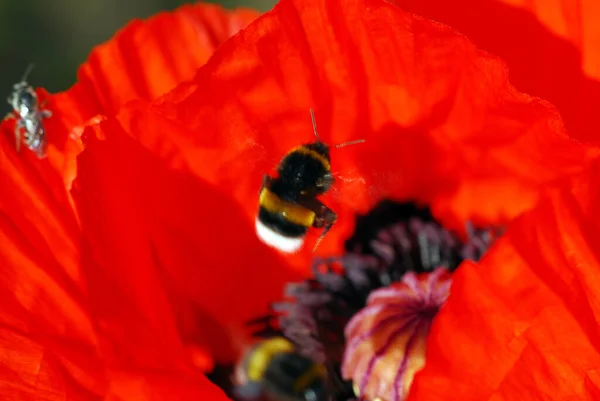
(58, 35)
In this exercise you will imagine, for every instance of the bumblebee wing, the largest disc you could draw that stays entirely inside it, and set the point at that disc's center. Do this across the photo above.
(348, 177)
(347, 183)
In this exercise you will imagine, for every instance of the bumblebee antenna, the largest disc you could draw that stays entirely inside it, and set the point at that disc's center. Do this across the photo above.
(341, 145)
(27, 72)
(314, 123)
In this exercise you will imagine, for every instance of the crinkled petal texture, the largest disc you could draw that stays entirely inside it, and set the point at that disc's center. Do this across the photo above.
(523, 323)
(41, 282)
(167, 198)
(143, 61)
(442, 123)
(550, 46)
(176, 204)
(54, 345)
(148, 58)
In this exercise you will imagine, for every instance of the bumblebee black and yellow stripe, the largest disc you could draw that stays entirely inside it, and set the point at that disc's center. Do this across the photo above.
(263, 354)
(292, 212)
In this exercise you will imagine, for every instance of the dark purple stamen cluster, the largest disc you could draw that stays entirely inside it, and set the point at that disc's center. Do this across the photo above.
(317, 310)
(395, 238)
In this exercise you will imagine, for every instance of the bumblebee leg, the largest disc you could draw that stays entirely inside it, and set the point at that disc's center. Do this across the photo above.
(265, 326)
(46, 113)
(328, 227)
(325, 217)
(267, 179)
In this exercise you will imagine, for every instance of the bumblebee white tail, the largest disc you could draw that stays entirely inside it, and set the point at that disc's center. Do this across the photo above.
(276, 240)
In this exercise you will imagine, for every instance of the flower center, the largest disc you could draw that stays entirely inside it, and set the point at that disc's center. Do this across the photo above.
(365, 315)
(386, 340)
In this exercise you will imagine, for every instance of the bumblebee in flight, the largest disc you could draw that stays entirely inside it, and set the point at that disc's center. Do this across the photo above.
(288, 204)
(274, 369)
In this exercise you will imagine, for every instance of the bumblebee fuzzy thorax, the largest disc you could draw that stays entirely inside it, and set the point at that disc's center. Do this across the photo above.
(305, 170)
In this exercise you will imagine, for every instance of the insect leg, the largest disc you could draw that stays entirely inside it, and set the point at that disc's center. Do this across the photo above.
(43, 103)
(325, 217)
(18, 127)
(45, 113)
(328, 226)
(40, 149)
(266, 181)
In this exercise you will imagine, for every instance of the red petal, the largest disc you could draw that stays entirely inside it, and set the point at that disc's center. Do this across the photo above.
(52, 346)
(41, 276)
(143, 61)
(524, 322)
(169, 248)
(550, 47)
(29, 370)
(442, 123)
(148, 58)
(41, 286)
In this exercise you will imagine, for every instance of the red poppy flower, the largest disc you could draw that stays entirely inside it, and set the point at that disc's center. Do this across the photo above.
(157, 261)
